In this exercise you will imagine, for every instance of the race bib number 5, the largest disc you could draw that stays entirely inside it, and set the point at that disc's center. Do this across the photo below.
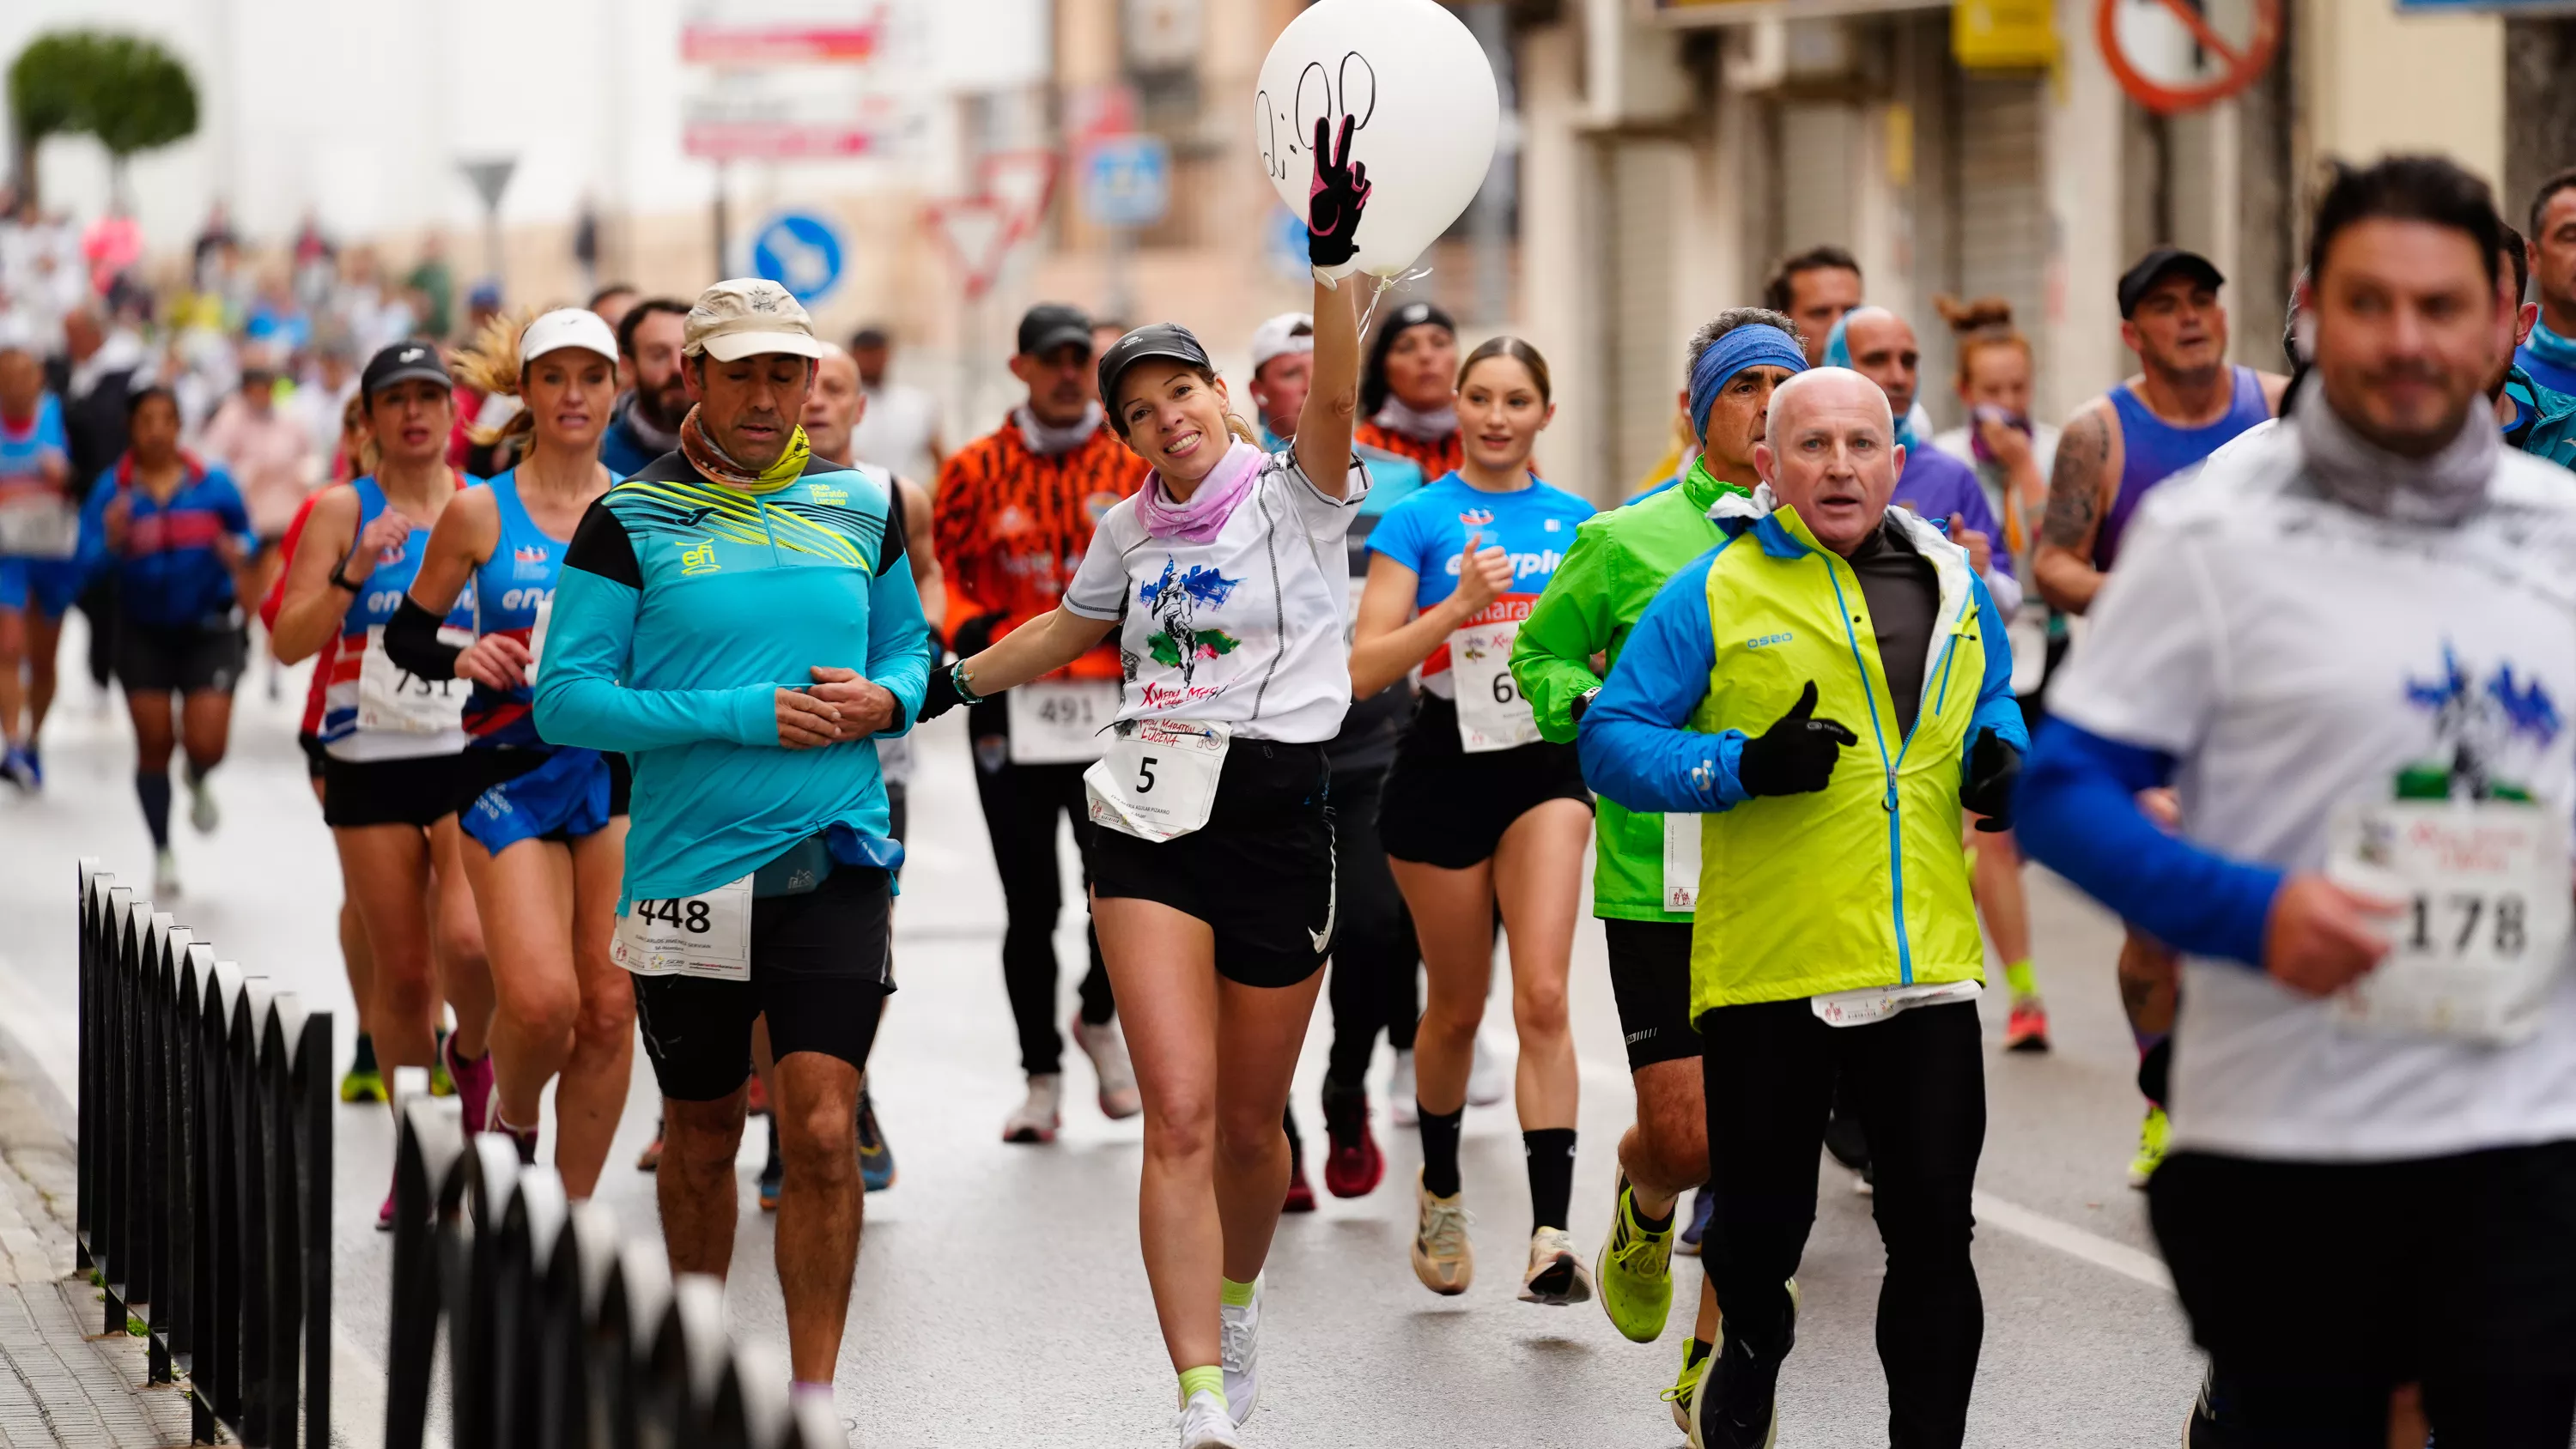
(1158, 780)
(2482, 926)
(705, 935)
(1491, 713)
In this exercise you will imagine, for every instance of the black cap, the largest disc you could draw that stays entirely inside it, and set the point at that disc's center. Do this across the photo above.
(2159, 264)
(869, 336)
(1167, 340)
(1417, 314)
(1050, 325)
(401, 362)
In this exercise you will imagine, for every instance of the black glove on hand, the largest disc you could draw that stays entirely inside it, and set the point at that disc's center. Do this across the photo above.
(941, 697)
(1994, 770)
(1333, 203)
(1795, 756)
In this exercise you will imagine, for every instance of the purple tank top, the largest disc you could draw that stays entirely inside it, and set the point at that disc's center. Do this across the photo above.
(2155, 450)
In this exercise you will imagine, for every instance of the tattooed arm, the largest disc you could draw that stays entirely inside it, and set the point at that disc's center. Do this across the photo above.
(2077, 491)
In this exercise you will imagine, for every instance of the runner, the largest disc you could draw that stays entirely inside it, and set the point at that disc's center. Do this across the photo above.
(39, 538)
(174, 537)
(739, 620)
(364, 1081)
(646, 424)
(1408, 396)
(898, 426)
(2184, 403)
(1814, 289)
(2535, 419)
(1480, 812)
(1835, 941)
(1227, 601)
(544, 826)
(2012, 456)
(1015, 513)
(1374, 954)
(1645, 875)
(2345, 643)
(391, 741)
(2548, 353)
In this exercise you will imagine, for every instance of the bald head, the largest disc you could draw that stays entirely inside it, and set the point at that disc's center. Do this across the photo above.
(833, 408)
(1830, 454)
(1882, 348)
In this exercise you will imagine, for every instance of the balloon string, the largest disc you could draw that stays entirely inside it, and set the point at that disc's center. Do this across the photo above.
(1385, 285)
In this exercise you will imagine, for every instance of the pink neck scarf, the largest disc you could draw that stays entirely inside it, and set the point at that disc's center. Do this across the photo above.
(1200, 519)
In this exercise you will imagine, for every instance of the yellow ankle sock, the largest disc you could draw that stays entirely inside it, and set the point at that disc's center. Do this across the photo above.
(1208, 1378)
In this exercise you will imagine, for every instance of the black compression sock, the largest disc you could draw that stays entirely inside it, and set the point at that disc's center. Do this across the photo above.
(1662, 1224)
(1551, 1175)
(154, 790)
(1439, 1150)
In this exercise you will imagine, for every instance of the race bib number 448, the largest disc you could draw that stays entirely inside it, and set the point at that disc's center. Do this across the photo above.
(705, 935)
(2481, 929)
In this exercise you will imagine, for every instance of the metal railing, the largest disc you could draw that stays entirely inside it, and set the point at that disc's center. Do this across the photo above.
(205, 1169)
(559, 1334)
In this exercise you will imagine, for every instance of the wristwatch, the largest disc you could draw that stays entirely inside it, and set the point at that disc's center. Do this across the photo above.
(1574, 711)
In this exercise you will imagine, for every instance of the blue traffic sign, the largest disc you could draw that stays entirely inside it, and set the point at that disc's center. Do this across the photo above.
(799, 251)
(1127, 181)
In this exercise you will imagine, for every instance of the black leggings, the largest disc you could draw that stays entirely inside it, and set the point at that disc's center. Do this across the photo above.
(1375, 958)
(1020, 807)
(1917, 1083)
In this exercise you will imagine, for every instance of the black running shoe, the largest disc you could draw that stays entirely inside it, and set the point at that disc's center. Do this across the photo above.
(1737, 1403)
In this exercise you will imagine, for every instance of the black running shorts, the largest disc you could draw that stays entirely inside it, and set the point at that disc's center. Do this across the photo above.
(417, 791)
(1650, 974)
(1448, 808)
(818, 970)
(1260, 872)
(178, 659)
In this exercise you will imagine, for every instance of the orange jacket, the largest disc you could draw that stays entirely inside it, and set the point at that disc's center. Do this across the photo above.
(1011, 525)
(1438, 460)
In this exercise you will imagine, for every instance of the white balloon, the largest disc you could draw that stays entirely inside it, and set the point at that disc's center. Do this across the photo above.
(1424, 110)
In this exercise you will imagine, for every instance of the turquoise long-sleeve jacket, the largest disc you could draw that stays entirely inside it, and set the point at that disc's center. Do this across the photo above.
(684, 606)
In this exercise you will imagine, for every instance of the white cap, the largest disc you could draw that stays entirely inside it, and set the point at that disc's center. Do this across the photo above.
(567, 327)
(1281, 336)
(746, 317)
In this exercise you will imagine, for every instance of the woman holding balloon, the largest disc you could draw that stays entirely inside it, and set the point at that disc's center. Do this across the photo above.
(1212, 880)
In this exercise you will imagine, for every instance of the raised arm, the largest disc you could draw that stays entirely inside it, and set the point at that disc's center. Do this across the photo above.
(1324, 427)
(2076, 492)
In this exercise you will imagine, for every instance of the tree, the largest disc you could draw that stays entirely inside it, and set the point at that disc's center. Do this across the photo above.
(127, 91)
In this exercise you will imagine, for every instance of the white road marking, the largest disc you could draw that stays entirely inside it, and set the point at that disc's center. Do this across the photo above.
(2073, 1241)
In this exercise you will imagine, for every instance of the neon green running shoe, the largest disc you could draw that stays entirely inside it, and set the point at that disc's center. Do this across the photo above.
(440, 1084)
(2151, 1147)
(362, 1085)
(1635, 1270)
(1695, 1355)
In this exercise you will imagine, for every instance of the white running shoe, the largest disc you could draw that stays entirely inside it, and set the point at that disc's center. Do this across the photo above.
(1241, 1328)
(1557, 1274)
(1490, 1080)
(1038, 1118)
(1205, 1424)
(165, 876)
(1442, 1257)
(1400, 1106)
(201, 806)
(1106, 1045)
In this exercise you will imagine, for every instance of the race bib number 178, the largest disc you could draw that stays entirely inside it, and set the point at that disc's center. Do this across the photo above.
(2481, 928)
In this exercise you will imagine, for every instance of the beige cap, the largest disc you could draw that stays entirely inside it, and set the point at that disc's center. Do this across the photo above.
(748, 316)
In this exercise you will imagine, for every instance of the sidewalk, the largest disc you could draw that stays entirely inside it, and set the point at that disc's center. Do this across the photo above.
(58, 1385)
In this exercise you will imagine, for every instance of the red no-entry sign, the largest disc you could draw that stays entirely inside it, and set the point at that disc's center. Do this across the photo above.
(2239, 62)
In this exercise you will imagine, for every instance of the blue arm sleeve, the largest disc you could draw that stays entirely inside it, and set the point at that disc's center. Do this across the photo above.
(898, 643)
(2078, 815)
(1997, 709)
(1631, 740)
(589, 639)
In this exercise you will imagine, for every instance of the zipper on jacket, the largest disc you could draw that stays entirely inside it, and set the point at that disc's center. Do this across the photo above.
(768, 530)
(1949, 652)
(1895, 852)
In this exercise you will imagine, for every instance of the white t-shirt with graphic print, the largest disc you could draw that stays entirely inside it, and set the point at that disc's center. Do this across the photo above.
(2295, 656)
(1244, 630)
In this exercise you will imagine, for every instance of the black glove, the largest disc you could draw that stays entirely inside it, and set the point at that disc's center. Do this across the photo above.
(1333, 204)
(1795, 756)
(1994, 769)
(941, 697)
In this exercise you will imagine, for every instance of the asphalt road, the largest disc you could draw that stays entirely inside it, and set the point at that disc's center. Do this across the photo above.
(999, 1296)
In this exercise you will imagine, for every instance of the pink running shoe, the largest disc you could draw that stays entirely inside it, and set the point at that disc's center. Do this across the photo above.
(473, 1085)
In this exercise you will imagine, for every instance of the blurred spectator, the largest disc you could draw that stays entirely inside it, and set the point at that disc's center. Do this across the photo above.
(371, 314)
(585, 245)
(267, 448)
(102, 364)
(436, 284)
(112, 247)
(316, 262)
(278, 317)
(214, 239)
(2549, 353)
(1814, 289)
(612, 302)
(900, 429)
(481, 306)
(647, 421)
(322, 394)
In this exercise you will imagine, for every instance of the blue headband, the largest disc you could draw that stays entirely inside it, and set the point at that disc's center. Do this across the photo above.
(1755, 344)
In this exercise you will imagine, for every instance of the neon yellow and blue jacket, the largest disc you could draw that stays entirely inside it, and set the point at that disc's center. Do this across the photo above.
(684, 605)
(1861, 884)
